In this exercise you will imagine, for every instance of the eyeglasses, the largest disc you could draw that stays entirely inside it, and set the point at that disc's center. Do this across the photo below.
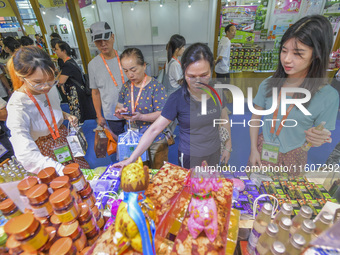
(43, 85)
(199, 79)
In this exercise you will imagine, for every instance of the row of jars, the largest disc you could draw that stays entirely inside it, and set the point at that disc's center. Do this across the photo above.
(65, 202)
(12, 170)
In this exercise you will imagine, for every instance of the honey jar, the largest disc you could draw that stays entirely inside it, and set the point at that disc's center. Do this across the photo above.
(28, 231)
(77, 178)
(52, 237)
(64, 205)
(3, 195)
(38, 197)
(55, 221)
(45, 221)
(9, 209)
(86, 249)
(93, 236)
(63, 246)
(87, 195)
(99, 217)
(73, 231)
(24, 186)
(13, 245)
(86, 220)
(64, 182)
(47, 175)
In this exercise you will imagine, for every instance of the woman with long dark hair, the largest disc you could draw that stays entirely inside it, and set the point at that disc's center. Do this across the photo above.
(72, 84)
(34, 117)
(198, 139)
(304, 55)
(173, 69)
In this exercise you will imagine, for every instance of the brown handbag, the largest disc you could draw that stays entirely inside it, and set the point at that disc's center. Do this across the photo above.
(169, 137)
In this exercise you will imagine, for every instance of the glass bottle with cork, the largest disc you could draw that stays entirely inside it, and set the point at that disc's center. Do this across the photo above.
(295, 245)
(260, 224)
(304, 214)
(306, 230)
(286, 211)
(284, 226)
(266, 239)
(322, 223)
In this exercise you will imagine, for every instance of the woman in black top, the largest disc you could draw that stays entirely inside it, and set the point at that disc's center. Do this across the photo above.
(71, 81)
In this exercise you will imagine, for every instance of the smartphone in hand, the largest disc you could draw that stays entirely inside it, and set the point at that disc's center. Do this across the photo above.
(130, 114)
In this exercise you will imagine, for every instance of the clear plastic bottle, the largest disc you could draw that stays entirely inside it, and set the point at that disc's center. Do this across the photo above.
(286, 211)
(304, 214)
(277, 248)
(306, 230)
(284, 226)
(323, 223)
(260, 224)
(295, 245)
(266, 239)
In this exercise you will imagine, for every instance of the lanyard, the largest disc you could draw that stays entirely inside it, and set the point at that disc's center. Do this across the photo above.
(108, 69)
(67, 59)
(278, 131)
(133, 103)
(56, 134)
(177, 60)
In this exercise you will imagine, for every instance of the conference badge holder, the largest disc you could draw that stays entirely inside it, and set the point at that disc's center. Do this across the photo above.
(62, 152)
(270, 152)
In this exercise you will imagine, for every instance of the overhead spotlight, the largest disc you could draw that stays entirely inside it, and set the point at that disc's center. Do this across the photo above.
(189, 3)
(161, 3)
(132, 6)
(92, 6)
(43, 12)
(259, 1)
(58, 17)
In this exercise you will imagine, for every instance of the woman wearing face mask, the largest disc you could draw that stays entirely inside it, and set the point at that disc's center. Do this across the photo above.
(34, 114)
(71, 81)
(304, 55)
(143, 97)
(199, 139)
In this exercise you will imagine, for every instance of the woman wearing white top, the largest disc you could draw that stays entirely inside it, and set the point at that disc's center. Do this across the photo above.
(175, 49)
(34, 114)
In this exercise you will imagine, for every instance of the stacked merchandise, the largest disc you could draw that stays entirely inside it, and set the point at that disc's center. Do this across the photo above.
(251, 59)
(176, 213)
(244, 59)
(297, 191)
(12, 170)
(56, 207)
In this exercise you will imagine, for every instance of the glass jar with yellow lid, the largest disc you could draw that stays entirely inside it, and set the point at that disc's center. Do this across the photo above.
(86, 219)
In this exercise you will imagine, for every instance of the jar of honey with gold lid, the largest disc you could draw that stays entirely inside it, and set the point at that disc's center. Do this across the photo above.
(86, 219)
(77, 178)
(64, 205)
(38, 197)
(47, 175)
(9, 209)
(28, 231)
(64, 246)
(13, 245)
(64, 182)
(24, 186)
(73, 231)
(87, 195)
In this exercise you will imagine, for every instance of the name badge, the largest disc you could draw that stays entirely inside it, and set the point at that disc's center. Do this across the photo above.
(270, 152)
(62, 153)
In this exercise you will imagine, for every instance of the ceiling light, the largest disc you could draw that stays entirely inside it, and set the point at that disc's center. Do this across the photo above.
(161, 3)
(43, 12)
(189, 3)
(92, 6)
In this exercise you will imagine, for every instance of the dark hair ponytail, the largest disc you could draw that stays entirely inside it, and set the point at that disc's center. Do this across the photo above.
(65, 47)
(176, 42)
(11, 43)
